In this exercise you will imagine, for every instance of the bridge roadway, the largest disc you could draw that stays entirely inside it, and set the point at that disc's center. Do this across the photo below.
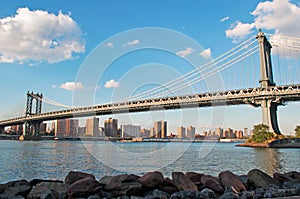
(253, 96)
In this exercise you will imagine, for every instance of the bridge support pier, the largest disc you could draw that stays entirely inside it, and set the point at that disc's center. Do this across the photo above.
(269, 115)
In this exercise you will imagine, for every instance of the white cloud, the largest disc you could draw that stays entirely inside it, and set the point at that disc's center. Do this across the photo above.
(54, 86)
(111, 84)
(224, 19)
(110, 44)
(71, 86)
(206, 54)
(239, 31)
(134, 42)
(39, 36)
(185, 53)
(281, 16)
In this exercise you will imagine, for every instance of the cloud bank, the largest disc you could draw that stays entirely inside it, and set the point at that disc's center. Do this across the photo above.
(281, 16)
(39, 36)
(111, 84)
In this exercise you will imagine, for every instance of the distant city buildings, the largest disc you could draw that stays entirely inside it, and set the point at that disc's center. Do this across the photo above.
(130, 130)
(181, 132)
(190, 132)
(111, 127)
(66, 128)
(160, 129)
(92, 127)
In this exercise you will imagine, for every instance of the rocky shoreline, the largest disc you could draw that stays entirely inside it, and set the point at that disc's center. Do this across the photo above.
(153, 185)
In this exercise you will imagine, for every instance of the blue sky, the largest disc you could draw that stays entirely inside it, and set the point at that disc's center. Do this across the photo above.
(45, 44)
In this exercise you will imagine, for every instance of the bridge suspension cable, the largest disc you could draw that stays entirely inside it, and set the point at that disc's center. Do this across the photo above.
(292, 43)
(52, 102)
(204, 71)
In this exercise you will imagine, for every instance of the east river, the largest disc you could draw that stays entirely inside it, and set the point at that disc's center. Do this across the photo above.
(54, 159)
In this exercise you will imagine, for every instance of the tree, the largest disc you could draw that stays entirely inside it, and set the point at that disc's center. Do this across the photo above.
(261, 133)
(297, 131)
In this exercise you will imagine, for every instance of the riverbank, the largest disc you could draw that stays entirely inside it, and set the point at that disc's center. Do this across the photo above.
(279, 143)
(191, 185)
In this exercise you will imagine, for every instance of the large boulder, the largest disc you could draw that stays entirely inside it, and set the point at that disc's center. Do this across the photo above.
(13, 183)
(123, 185)
(282, 177)
(73, 176)
(47, 189)
(34, 182)
(212, 183)
(228, 178)
(168, 186)
(84, 187)
(16, 191)
(182, 182)
(194, 177)
(151, 179)
(258, 178)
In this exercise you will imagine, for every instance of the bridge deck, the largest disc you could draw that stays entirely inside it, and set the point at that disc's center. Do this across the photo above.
(278, 94)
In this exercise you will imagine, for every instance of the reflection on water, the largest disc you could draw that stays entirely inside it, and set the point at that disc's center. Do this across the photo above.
(54, 159)
(269, 159)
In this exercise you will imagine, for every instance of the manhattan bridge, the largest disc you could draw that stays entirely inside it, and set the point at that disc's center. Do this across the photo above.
(267, 94)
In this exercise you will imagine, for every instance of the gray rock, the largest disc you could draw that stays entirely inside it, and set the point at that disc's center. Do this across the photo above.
(229, 195)
(74, 176)
(188, 195)
(16, 190)
(151, 179)
(208, 193)
(160, 194)
(34, 182)
(258, 178)
(13, 183)
(182, 182)
(247, 194)
(47, 189)
(94, 197)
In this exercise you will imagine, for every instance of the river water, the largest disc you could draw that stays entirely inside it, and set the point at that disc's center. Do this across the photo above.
(54, 159)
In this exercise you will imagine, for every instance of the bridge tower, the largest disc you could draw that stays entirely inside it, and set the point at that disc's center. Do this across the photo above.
(269, 106)
(33, 128)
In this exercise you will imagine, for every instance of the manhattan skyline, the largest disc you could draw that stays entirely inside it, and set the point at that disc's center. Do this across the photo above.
(43, 46)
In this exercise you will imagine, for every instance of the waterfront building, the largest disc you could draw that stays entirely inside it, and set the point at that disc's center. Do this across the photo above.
(130, 130)
(246, 132)
(111, 127)
(160, 129)
(66, 128)
(17, 129)
(219, 132)
(152, 133)
(181, 132)
(92, 127)
(145, 133)
(190, 132)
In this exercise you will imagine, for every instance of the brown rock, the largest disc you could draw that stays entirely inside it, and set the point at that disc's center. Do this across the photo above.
(151, 179)
(194, 177)
(212, 183)
(73, 176)
(228, 178)
(84, 187)
(123, 185)
(168, 186)
(293, 174)
(49, 190)
(258, 178)
(282, 177)
(182, 182)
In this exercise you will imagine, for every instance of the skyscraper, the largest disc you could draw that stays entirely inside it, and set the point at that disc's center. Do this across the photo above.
(92, 126)
(181, 132)
(130, 130)
(111, 127)
(160, 129)
(190, 132)
(66, 128)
